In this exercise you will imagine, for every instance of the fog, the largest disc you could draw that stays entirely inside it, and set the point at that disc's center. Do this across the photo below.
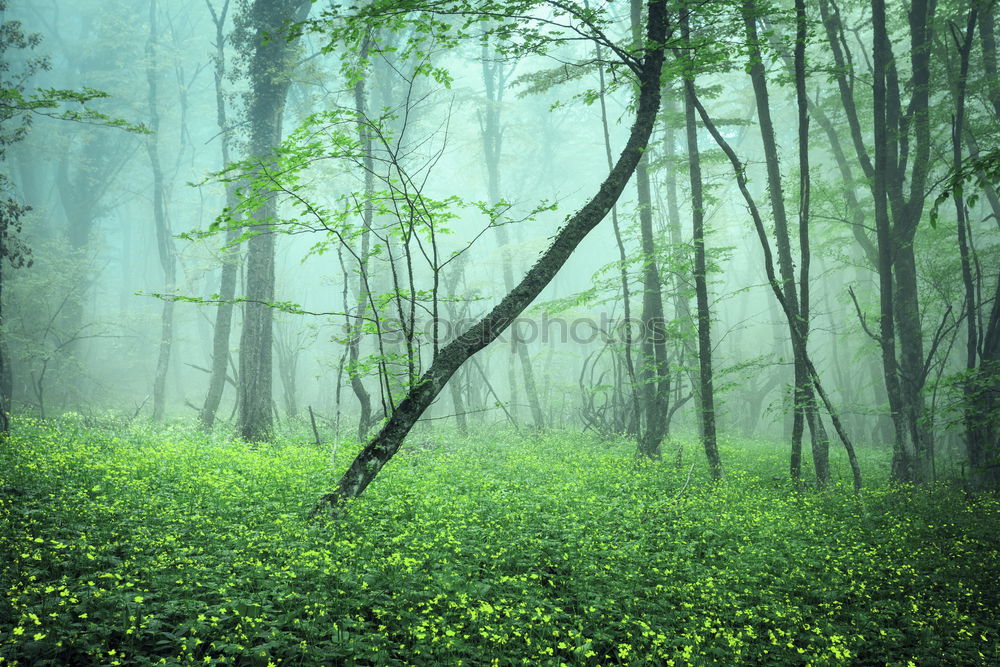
(479, 151)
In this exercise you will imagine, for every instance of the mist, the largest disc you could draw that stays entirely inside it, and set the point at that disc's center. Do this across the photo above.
(718, 249)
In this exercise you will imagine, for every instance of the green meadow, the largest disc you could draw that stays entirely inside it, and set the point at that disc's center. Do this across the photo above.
(127, 544)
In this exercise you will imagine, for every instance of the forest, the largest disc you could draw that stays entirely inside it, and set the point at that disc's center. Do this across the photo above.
(497, 332)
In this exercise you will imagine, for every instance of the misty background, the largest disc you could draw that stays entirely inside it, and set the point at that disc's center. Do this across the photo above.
(128, 230)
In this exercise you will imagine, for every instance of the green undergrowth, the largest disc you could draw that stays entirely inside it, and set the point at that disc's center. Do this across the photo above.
(139, 545)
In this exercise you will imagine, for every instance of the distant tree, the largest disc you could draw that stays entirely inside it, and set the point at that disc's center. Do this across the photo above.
(230, 255)
(18, 107)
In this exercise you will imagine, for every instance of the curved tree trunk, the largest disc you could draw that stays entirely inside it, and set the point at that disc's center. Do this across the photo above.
(387, 442)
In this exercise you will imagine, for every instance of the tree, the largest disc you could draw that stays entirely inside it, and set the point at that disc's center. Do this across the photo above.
(897, 169)
(494, 82)
(268, 48)
(706, 391)
(381, 448)
(164, 240)
(230, 255)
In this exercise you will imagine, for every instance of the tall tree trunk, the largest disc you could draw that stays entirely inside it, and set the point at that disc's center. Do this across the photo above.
(981, 382)
(654, 374)
(906, 209)
(269, 77)
(902, 150)
(902, 456)
(632, 391)
(164, 241)
(803, 401)
(681, 289)
(705, 379)
(230, 255)
(384, 446)
(6, 363)
(817, 433)
(367, 213)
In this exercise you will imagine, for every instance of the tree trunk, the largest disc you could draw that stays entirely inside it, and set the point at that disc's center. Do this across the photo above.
(632, 423)
(270, 80)
(705, 378)
(654, 374)
(164, 241)
(230, 255)
(981, 385)
(361, 307)
(384, 446)
(803, 401)
(779, 293)
(6, 364)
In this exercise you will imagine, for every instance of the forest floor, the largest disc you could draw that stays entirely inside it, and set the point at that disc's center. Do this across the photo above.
(131, 545)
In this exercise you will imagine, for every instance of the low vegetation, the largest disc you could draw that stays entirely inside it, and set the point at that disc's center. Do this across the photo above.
(129, 545)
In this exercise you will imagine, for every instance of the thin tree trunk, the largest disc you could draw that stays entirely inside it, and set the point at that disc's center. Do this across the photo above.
(978, 431)
(654, 374)
(632, 427)
(902, 457)
(384, 446)
(6, 364)
(164, 242)
(230, 255)
(705, 378)
(361, 307)
(681, 289)
(817, 433)
(776, 288)
(801, 402)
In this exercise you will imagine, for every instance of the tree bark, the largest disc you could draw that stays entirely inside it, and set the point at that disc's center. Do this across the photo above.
(367, 214)
(632, 423)
(654, 373)
(776, 288)
(803, 403)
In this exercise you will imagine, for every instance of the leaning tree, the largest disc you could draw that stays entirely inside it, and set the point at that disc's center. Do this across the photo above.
(514, 23)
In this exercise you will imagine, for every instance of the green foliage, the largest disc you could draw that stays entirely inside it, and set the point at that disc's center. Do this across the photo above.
(124, 545)
(981, 172)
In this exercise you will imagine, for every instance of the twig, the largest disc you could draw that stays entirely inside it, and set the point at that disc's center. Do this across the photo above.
(312, 420)
(686, 482)
(861, 317)
(139, 409)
